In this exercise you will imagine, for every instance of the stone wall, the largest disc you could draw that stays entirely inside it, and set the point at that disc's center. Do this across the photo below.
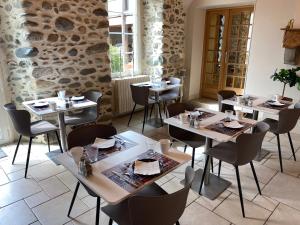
(163, 37)
(51, 45)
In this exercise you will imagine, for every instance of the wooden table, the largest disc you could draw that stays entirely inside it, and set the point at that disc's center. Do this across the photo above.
(213, 185)
(157, 88)
(60, 112)
(257, 106)
(106, 188)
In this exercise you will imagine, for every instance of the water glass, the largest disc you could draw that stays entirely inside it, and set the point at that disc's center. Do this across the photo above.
(93, 154)
(165, 145)
(228, 114)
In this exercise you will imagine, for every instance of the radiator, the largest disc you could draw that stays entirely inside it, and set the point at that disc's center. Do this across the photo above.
(122, 95)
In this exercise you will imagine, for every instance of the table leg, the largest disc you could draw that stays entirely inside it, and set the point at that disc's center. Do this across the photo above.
(62, 130)
(208, 145)
(155, 122)
(262, 153)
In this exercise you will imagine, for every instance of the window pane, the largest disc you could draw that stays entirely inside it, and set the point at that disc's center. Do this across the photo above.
(115, 5)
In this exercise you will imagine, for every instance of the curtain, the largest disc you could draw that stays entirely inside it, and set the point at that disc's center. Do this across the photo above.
(7, 133)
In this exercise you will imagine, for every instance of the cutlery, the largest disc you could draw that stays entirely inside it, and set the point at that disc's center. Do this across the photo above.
(126, 179)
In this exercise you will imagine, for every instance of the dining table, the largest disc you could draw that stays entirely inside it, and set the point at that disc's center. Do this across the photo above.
(156, 88)
(108, 179)
(258, 104)
(213, 129)
(56, 106)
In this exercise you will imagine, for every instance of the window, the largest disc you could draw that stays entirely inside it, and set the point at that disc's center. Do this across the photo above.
(123, 37)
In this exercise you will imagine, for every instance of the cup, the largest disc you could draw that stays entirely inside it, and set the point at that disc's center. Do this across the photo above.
(239, 99)
(275, 98)
(150, 144)
(165, 145)
(93, 154)
(228, 114)
(239, 114)
(183, 117)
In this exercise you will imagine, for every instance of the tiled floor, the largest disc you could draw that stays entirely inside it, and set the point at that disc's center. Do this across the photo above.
(44, 198)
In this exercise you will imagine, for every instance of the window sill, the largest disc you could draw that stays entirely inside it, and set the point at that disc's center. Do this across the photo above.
(129, 77)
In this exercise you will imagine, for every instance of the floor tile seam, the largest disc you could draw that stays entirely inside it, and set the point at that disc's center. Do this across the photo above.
(271, 214)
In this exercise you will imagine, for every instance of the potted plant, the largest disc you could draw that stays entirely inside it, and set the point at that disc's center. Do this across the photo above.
(287, 76)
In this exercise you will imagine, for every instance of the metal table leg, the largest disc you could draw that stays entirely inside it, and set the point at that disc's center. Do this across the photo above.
(62, 130)
(155, 122)
(213, 185)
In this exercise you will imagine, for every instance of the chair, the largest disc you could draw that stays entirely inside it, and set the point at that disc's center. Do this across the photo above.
(83, 136)
(170, 95)
(288, 119)
(222, 95)
(140, 96)
(151, 205)
(240, 153)
(88, 115)
(22, 123)
(188, 138)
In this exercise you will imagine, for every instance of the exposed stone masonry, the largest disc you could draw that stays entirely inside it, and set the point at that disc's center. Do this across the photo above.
(51, 45)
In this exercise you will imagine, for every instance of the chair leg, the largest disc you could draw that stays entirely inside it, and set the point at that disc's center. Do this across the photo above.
(73, 198)
(145, 117)
(131, 114)
(17, 148)
(185, 147)
(28, 156)
(152, 107)
(110, 221)
(193, 158)
(161, 120)
(177, 223)
(292, 146)
(48, 142)
(255, 177)
(58, 140)
(220, 165)
(212, 164)
(203, 174)
(98, 211)
(279, 152)
(240, 189)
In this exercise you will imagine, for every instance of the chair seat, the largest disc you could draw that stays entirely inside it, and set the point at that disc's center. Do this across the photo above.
(226, 152)
(41, 127)
(120, 212)
(80, 118)
(273, 124)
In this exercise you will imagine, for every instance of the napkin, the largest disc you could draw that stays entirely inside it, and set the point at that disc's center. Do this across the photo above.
(146, 168)
(103, 143)
(233, 124)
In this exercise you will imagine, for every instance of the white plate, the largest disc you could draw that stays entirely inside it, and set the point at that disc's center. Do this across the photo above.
(275, 103)
(77, 98)
(40, 104)
(233, 125)
(104, 143)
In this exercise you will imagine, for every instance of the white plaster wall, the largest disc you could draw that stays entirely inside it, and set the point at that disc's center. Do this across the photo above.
(266, 52)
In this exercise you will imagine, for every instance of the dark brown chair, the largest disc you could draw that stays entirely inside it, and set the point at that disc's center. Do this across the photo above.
(170, 95)
(21, 120)
(222, 95)
(88, 115)
(83, 136)
(240, 153)
(151, 205)
(140, 96)
(188, 138)
(288, 119)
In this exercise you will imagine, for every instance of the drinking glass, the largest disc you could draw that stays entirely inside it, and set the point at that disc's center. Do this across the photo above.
(228, 114)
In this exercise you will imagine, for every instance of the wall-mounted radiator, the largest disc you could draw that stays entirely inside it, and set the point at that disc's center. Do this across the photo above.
(122, 95)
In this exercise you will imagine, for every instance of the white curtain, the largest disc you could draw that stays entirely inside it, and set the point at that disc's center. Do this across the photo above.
(6, 129)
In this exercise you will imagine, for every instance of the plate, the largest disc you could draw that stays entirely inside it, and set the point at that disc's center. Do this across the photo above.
(275, 103)
(40, 104)
(77, 98)
(103, 144)
(233, 125)
(147, 161)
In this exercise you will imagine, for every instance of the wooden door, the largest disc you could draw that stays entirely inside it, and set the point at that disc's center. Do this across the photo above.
(226, 50)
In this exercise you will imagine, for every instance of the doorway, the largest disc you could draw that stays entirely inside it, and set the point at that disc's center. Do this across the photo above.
(226, 50)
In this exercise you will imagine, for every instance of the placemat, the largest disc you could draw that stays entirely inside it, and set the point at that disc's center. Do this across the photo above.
(124, 176)
(220, 128)
(203, 115)
(121, 144)
(266, 105)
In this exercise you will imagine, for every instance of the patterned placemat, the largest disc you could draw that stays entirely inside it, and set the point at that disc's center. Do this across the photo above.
(266, 105)
(220, 128)
(123, 174)
(121, 144)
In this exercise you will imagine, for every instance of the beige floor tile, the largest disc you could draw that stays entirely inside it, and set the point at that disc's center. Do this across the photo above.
(284, 140)
(91, 201)
(290, 167)
(231, 210)
(18, 175)
(36, 223)
(37, 199)
(3, 178)
(265, 202)
(264, 174)
(284, 215)
(273, 149)
(53, 186)
(196, 214)
(45, 170)
(54, 212)
(89, 218)
(17, 213)
(285, 189)
(9, 168)
(17, 190)
(212, 204)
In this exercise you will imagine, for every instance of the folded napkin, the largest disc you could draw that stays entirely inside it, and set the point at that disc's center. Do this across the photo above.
(233, 124)
(146, 168)
(103, 143)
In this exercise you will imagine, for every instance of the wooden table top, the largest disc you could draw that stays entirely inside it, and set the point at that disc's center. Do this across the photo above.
(203, 131)
(103, 186)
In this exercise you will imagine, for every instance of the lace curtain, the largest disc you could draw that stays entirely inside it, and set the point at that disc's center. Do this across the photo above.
(6, 130)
